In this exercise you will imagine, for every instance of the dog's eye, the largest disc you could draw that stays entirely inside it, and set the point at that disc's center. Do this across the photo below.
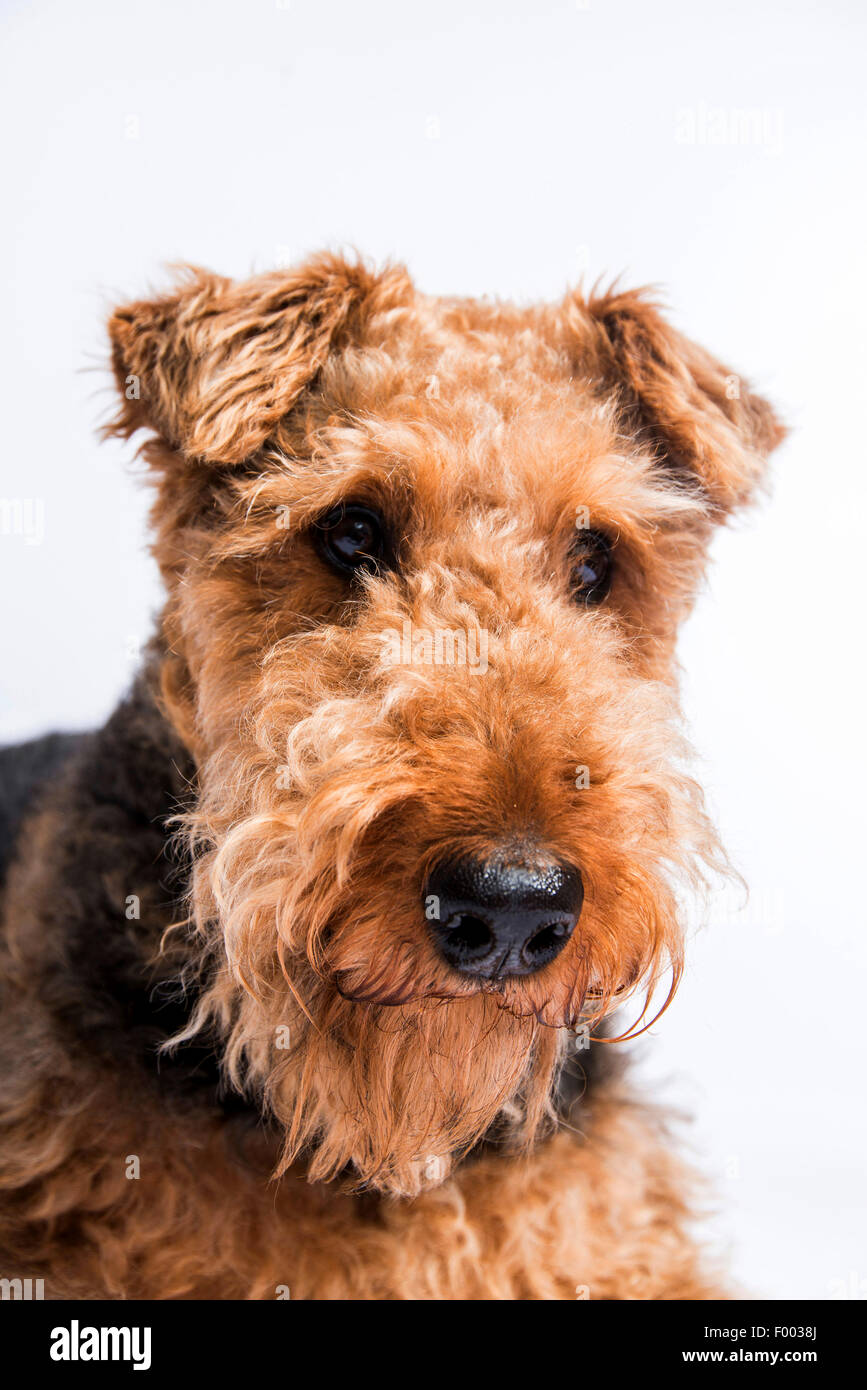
(352, 538)
(592, 567)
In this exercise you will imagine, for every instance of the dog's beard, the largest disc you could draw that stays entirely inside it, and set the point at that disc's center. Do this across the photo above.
(392, 1096)
(376, 1070)
(331, 1004)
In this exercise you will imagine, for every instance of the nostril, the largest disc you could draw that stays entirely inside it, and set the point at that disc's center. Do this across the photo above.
(546, 941)
(469, 934)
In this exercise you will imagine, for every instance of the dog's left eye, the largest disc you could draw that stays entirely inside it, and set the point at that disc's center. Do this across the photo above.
(592, 567)
(352, 538)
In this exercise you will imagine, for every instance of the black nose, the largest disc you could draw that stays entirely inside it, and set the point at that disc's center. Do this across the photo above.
(498, 917)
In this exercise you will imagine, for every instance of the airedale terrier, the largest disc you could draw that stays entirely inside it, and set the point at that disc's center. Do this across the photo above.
(304, 948)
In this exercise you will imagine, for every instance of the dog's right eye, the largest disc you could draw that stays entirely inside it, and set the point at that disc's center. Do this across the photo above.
(592, 568)
(352, 538)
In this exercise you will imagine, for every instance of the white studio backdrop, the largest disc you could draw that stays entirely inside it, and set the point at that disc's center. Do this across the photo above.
(510, 149)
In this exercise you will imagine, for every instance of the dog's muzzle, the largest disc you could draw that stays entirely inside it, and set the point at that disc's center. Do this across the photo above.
(497, 917)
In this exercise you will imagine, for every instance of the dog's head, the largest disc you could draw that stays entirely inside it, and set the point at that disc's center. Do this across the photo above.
(426, 562)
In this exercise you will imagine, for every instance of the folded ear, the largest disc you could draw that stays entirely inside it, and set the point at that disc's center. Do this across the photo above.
(212, 366)
(704, 420)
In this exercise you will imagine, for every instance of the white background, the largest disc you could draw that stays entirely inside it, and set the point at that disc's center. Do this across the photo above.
(508, 148)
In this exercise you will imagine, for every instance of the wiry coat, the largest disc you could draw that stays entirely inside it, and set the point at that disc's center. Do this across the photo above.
(215, 958)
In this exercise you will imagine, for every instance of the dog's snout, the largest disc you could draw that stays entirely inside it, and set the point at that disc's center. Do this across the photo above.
(497, 917)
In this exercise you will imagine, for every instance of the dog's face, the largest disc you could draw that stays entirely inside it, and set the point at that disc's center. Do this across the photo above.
(426, 562)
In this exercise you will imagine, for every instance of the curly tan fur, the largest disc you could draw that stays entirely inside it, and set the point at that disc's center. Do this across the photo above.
(406, 1117)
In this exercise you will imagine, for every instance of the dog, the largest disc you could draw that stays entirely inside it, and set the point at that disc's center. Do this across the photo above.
(311, 954)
